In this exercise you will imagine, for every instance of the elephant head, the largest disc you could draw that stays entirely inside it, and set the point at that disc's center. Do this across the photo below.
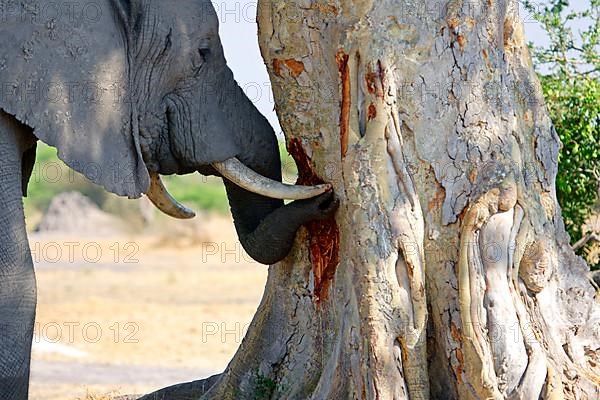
(140, 89)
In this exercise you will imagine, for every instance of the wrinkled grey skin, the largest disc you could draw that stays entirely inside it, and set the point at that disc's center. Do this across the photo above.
(163, 100)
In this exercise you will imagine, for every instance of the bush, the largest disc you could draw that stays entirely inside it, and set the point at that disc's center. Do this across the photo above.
(574, 106)
(569, 70)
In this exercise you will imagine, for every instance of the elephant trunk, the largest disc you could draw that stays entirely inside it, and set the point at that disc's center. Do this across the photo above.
(264, 238)
(265, 227)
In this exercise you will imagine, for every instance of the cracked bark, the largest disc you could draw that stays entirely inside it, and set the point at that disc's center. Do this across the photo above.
(454, 277)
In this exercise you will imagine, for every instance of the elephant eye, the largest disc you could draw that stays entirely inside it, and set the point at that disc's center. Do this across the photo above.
(200, 59)
(204, 52)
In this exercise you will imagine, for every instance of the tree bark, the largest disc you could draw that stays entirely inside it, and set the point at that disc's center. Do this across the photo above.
(447, 272)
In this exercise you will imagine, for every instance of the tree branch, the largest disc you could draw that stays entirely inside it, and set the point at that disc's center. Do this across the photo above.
(584, 240)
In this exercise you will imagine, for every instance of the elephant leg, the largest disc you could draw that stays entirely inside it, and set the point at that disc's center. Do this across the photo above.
(17, 278)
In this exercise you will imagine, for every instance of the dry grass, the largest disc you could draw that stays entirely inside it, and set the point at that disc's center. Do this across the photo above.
(91, 396)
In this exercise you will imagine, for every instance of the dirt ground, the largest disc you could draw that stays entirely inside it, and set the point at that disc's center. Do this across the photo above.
(134, 313)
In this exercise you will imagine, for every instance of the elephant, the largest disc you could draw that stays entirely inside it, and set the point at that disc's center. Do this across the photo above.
(127, 91)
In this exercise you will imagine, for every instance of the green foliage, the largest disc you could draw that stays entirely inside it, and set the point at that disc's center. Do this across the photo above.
(568, 54)
(574, 107)
(569, 69)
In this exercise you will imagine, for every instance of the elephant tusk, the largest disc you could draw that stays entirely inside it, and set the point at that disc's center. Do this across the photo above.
(238, 173)
(160, 197)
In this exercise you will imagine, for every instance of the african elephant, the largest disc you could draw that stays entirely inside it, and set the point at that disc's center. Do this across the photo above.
(127, 91)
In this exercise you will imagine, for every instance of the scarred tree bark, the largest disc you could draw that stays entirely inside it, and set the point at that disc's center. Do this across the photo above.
(447, 272)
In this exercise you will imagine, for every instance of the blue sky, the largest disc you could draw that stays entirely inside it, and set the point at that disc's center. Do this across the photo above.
(239, 36)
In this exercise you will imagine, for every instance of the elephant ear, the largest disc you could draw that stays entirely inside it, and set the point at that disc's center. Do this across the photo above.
(65, 74)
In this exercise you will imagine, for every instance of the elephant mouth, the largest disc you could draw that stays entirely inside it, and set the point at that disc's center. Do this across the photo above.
(233, 170)
(239, 174)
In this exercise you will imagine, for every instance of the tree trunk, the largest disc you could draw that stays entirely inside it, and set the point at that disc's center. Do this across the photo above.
(447, 272)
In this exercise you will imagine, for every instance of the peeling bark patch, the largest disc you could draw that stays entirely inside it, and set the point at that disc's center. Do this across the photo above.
(486, 58)
(462, 41)
(277, 66)
(457, 25)
(372, 113)
(457, 364)
(375, 81)
(453, 23)
(370, 79)
(513, 35)
(325, 9)
(323, 236)
(295, 67)
(508, 32)
(342, 61)
(473, 175)
(437, 201)
(459, 369)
